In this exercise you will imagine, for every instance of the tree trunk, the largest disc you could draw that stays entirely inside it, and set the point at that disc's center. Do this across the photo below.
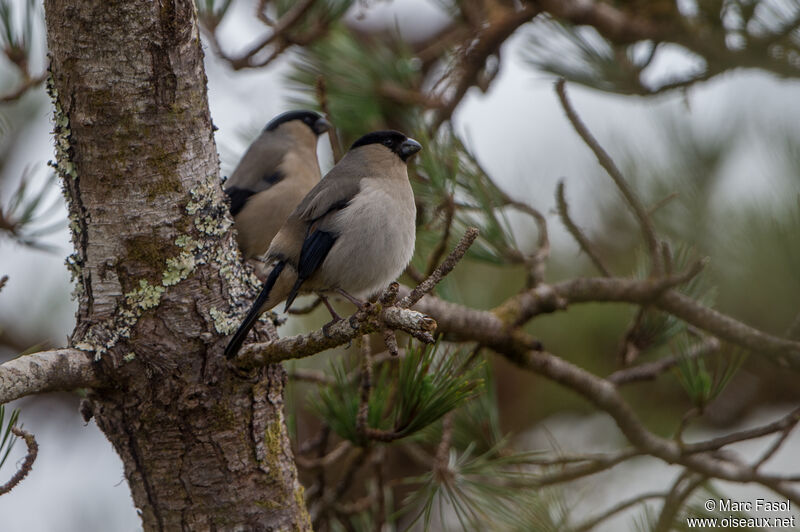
(157, 272)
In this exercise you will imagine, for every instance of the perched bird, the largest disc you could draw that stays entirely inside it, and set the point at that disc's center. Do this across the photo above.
(275, 173)
(353, 233)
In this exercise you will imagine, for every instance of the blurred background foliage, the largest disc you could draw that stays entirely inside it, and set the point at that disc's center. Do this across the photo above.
(726, 188)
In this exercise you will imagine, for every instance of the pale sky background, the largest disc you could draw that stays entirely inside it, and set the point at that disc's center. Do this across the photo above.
(518, 132)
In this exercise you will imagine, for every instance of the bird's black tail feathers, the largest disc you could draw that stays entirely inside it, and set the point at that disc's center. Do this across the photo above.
(252, 315)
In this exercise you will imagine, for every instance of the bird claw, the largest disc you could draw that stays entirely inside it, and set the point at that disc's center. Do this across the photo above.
(327, 327)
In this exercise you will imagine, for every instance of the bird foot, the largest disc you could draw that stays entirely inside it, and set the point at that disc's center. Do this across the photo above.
(361, 305)
(326, 329)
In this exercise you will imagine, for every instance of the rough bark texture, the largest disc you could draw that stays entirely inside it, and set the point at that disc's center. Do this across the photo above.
(156, 270)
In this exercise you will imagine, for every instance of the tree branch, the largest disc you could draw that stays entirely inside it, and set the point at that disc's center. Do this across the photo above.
(488, 329)
(784, 424)
(339, 333)
(478, 49)
(657, 292)
(610, 167)
(33, 452)
(46, 371)
(652, 370)
(24, 87)
(589, 524)
(442, 270)
(612, 23)
(575, 231)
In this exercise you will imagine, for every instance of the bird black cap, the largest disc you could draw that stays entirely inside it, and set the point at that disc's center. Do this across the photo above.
(312, 119)
(400, 144)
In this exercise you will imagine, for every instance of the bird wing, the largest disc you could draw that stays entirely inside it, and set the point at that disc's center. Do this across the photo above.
(330, 195)
(333, 192)
(258, 170)
(239, 196)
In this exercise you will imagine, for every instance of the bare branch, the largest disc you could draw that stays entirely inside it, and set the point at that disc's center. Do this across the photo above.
(339, 333)
(24, 87)
(610, 167)
(278, 37)
(536, 264)
(46, 371)
(603, 395)
(589, 524)
(575, 231)
(680, 491)
(613, 23)
(443, 450)
(449, 208)
(321, 92)
(33, 452)
(785, 423)
(773, 448)
(479, 47)
(324, 461)
(442, 270)
(310, 375)
(591, 467)
(548, 298)
(652, 370)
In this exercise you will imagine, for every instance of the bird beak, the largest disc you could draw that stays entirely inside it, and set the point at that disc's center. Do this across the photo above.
(321, 126)
(408, 148)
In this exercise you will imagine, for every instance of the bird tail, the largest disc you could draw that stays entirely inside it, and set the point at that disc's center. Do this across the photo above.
(255, 311)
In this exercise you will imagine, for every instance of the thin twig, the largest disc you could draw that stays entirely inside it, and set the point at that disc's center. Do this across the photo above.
(538, 262)
(310, 375)
(389, 297)
(357, 506)
(786, 422)
(390, 340)
(586, 469)
(660, 203)
(436, 255)
(686, 483)
(321, 90)
(416, 275)
(481, 45)
(610, 167)
(777, 444)
(320, 440)
(443, 450)
(691, 414)
(340, 333)
(575, 231)
(549, 298)
(325, 460)
(23, 88)
(279, 29)
(589, 524)
(442, 270)
(27, 464)
(652, 370)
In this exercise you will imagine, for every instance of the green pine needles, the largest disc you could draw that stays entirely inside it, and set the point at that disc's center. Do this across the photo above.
(406, 396)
